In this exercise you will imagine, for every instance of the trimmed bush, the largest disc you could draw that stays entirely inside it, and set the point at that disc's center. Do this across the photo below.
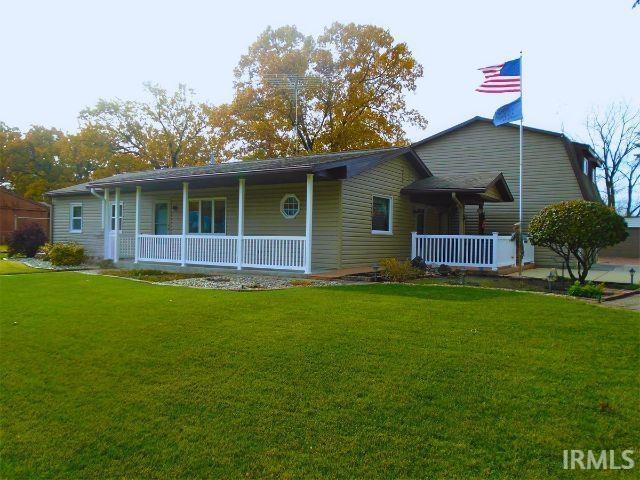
(27, 240)
(394, 270)
(66, 254)
(576, 230)
(588, 290)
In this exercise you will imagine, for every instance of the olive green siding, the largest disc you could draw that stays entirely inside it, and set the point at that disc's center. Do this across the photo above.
(482, 148)
(262, 216)
(360, 247)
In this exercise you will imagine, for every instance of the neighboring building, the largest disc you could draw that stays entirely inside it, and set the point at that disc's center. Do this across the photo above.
(555, 169)
(630, 248)
(365, 205)
(16, 211)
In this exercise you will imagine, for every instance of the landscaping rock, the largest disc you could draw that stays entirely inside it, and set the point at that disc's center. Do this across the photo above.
(46, 265)
(250, 282)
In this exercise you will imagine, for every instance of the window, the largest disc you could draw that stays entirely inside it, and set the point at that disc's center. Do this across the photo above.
(113, 216)
(75, 221)
(161, 219)
(290, 206)
(382, 215)
(208, 216)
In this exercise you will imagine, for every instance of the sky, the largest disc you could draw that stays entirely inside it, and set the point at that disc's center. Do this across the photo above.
(60, 57)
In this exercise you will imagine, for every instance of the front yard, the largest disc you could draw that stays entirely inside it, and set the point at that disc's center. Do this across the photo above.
(108, 378)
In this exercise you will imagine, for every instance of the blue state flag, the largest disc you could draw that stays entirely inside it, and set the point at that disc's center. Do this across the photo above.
(508, 113)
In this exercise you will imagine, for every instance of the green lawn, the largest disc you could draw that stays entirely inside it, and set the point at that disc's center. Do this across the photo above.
(12, 266)
(109, 378)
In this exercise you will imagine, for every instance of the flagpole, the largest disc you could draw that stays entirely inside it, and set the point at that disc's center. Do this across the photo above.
(520, 217)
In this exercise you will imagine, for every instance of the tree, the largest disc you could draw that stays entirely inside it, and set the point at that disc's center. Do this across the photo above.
(356, 100)
(31, 162)
(632, 178)
(169, 130)
(614, 134)
(576, 230)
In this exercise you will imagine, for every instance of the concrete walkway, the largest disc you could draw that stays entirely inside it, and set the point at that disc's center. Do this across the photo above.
(598, 273)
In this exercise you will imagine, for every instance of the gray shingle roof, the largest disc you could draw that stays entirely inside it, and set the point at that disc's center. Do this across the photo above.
(454, 182)
(307, 163)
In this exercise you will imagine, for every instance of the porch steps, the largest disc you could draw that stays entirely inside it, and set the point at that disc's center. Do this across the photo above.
(340, 273)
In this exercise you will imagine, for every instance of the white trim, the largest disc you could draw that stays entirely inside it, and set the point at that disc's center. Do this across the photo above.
(111, 216)
(117, 226)
(308, 231)
(240, 241)
(185, 223)
(382, 232)
(136, 244)
(71, 217)
(282, 202)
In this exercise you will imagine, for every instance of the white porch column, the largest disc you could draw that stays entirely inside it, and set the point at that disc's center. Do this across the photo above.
(185, 223)
(308, 224)
(239, 244)
(494, 237)
(106, 217)
(136, 242)
(116, 230)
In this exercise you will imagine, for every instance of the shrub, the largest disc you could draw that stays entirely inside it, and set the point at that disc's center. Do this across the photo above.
(66, 254)
(106, 263)
(26, 240)
(589, 290)
(45, 249)
(394, 270)
(577, 230)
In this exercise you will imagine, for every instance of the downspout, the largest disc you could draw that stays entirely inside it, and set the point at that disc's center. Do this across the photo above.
(460, 206)
(102, 209)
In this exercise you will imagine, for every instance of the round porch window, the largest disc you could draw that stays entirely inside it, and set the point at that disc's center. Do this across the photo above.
(290, 206)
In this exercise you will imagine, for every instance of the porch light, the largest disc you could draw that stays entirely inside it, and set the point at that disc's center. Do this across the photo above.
(631, 272)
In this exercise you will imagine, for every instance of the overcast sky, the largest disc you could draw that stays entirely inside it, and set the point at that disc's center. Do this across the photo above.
(61, 56)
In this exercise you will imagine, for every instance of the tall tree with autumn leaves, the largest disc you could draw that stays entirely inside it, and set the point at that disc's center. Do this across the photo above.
(359, 100)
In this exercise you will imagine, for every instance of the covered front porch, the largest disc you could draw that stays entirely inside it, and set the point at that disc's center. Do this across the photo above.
(209, 232)
(441, 235)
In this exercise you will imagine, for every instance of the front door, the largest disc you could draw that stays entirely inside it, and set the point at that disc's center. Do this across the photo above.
(161, 219)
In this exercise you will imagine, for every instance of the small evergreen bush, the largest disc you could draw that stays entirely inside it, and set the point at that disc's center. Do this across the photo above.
(66, 254)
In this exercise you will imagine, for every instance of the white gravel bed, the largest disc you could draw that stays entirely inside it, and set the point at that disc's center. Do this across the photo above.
(250, 282)
(45, 264)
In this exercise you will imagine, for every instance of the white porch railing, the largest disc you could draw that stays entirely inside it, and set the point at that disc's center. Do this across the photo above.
(212, 250)
(160, 248)
(127, 246)
(481, 251)
(273, 252)
(284, 253)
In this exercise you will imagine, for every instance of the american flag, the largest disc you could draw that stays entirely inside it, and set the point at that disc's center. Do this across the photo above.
(497, 80)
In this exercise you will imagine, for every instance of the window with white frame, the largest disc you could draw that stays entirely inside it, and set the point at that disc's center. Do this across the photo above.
(290, 206)
(208, 215)
(113, 216)
(381, 215)
(75, 218)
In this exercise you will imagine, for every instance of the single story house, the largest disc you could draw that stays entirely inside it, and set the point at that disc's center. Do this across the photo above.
(309, 213)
